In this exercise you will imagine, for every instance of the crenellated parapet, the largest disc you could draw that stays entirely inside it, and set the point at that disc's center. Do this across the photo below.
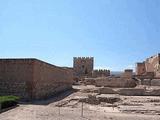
(101, 70)
(101, 73)
(83, 66)
(83, 58)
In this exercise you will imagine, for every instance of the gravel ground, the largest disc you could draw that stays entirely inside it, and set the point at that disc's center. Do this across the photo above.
(41, 112)
(130, 108)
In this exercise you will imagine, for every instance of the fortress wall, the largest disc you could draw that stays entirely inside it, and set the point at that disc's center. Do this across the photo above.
(128, 73)
(140, 68)
(153, 65)
(83, 66)
(16, 77)
(32, 78)
(150, 65)
(50, 79)
(115, 82)
(101, 73)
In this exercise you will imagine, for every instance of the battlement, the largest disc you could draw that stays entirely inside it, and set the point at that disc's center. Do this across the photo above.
(101, 70)
(83, 58)
(128, 70)
(100, 73)
(140, 63)
(83, 66)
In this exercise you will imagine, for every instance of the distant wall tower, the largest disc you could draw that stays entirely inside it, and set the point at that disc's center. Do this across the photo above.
(140, 68)
(83, 66)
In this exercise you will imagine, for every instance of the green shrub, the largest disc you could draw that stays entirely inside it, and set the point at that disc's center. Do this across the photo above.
(8, 101)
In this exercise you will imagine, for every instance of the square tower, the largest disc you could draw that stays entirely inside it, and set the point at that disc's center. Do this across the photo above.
(140, 68)
(83, 66)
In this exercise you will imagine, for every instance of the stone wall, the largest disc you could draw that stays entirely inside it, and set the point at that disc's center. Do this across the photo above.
(140, 68)
(83, 66)
(155, 82)
(100, 73)
(16, 76)
(32, 78)
(114, 82)
(89, 81)
(128, 73)
(49, 79)
(150, 65)
(106, 90)
(146, 82)
(138, 92)
(153, 65)
(131, 91)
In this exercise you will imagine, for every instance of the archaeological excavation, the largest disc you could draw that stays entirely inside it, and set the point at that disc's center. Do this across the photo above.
(79, 60)
(82, 88)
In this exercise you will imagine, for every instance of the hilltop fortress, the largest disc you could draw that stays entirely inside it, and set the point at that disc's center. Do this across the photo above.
(84, 67)
(149, 67)
(148, 71)
(35, 79)
(32, 78)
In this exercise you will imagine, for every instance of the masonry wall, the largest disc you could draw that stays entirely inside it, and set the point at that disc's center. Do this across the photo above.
(83, 66)
(155, 82)
(16, 77)
(100, 73)
(50, 80)
(140, 68)
(32, 78)
(150, 65)
(153, 65)
(128, 73)
(114, 82)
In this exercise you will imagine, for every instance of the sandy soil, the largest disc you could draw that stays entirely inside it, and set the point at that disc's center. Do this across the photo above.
(130, 108)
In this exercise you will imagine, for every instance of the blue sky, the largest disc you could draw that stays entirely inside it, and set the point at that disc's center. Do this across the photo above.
(118, 33)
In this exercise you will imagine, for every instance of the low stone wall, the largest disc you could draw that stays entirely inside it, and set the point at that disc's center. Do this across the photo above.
(106, 90)
(131, 91)
(146, 82)
(150, 82)
(155, 82)
(89, 81)
(115, 82)
(138, 92)
(153, 93)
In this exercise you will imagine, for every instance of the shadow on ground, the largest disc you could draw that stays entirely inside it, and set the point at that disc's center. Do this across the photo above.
(52, 99)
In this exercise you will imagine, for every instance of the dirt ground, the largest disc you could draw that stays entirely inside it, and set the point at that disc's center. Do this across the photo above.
(68, 107)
